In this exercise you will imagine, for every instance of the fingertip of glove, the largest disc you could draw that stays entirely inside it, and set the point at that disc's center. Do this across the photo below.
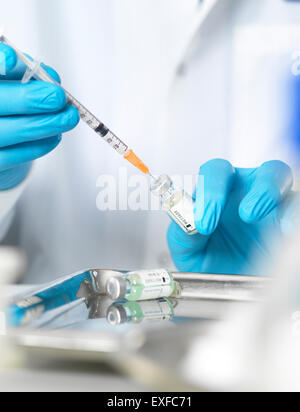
(72, 117)
(68, 119)
(8, 59)
(246, 214)
(207, 220)
(59, 98)
(46, 96)
(249, 208)
(205, 228)
(53, 73)
(217, 164)
(258, 204)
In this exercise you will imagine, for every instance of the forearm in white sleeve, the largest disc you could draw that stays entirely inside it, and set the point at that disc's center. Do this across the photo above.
(8, 201)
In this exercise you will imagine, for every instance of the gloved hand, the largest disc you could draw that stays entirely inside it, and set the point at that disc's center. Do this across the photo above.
(33, 117)
(244, 211)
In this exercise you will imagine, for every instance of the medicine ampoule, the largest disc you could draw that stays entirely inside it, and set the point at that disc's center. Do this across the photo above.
(177, 203)
(143, 285)
(137, 312)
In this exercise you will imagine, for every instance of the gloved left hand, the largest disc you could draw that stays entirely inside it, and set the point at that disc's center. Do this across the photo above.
(33, 118)
(244, 211)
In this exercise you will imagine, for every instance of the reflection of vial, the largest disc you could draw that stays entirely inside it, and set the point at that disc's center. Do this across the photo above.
(179, 205)
(137, 312)
(98, 306)
(143, 285)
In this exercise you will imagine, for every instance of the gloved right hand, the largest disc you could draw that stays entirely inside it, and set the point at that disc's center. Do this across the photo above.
(33, 117)
(241, 217)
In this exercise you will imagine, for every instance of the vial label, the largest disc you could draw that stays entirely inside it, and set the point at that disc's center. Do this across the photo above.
(156, 292)
(157, 283)
(183, 214)
(156, 310)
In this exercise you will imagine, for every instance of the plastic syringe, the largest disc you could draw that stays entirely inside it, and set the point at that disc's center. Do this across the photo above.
(37, 71)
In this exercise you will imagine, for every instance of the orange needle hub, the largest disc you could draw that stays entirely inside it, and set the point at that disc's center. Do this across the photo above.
(136, 161)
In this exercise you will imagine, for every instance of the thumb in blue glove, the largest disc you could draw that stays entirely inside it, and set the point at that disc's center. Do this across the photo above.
(243, 210)
(33, 118)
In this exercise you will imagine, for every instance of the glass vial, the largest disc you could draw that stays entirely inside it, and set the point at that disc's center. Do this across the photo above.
(178, 204)
(138, 312)
(143, 285)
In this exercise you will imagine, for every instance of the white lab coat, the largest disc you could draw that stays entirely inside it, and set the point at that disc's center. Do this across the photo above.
(180, 85)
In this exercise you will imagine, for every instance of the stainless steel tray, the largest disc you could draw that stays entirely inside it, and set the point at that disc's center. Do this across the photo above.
(67, 319)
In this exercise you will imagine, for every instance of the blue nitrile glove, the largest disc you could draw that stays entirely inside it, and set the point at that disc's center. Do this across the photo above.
(244, 211)
(33, 117)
